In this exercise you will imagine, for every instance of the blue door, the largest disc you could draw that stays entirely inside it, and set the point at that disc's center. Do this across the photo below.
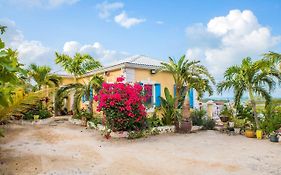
(157, 94)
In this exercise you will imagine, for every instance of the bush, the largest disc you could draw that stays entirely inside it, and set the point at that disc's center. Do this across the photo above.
(197, 117)
(123, 105)
(43, 113)
(154, 121)
(83, 113)
(209, 124)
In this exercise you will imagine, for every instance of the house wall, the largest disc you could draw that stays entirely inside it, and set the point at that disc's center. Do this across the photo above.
(165, 79)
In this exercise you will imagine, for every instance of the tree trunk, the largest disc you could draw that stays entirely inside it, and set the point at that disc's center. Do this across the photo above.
(253, 103)
(177, 97)
(186, 105)
(90, 107)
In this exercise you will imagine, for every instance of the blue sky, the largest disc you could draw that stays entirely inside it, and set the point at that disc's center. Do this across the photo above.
(217, 32)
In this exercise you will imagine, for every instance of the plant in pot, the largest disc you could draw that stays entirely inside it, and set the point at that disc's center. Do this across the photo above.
(225, 114)
(273, 137)
(249, 130)
(238, 124)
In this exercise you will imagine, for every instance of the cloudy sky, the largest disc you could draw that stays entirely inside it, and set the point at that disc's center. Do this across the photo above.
(218, 32)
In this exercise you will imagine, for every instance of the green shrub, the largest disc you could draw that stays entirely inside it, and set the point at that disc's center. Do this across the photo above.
(43, 113)
(197, 117)
(209, 124)
(136, 134)
(154, 121)
(81, 114)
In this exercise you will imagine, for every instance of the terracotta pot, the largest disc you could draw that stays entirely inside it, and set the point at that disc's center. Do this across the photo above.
(185, 126)
(250, 133)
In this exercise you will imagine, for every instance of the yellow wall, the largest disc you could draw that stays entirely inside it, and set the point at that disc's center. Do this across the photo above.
(164, 78)
(141, 75)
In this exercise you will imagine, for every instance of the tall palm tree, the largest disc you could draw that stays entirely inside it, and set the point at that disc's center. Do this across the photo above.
(188, 74)
(252, 77)
(78, 65)
(80, 90)
(42, 76)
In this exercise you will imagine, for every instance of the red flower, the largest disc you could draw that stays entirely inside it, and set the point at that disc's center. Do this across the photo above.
(120, 79)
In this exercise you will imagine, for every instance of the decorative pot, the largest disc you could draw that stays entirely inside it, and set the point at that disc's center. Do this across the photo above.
(237, 130)
(273, 138)
(259, 134)
(224, 119)
(231, 124)
(185, 126)
(250, 133)
(36, 117)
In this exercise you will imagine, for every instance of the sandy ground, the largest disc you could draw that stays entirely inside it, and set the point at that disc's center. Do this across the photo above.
(68, 149)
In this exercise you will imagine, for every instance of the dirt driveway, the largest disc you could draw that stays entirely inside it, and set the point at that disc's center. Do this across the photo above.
(68, 149)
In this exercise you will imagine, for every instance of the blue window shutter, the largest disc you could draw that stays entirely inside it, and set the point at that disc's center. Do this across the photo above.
(191, 97)
(83, 98)
(91, 93)
(157, 94)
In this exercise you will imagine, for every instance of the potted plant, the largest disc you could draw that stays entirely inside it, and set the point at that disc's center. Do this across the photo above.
(273, 137)
(238, 124)
(249, 132)
(226, 114)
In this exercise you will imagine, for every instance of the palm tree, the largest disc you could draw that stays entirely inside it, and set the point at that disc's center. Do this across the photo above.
(78, 65)
(256, 78)
(188, 74)
(274, 57)
(80, 90)
(42, 76)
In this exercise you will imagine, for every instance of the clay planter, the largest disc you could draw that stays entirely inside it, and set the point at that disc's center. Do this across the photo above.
(185, 127)
(273, 138)
(250, 133)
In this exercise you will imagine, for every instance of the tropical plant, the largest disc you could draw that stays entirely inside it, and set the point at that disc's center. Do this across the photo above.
(209, 124)
(274, 58)
(188, 74)
(254, 77)
(80, 90)
(170, 113)
(42, 76)
(197, 117)
(78, 65)
(272, 119)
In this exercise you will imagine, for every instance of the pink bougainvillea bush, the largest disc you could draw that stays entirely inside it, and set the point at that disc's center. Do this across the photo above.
(122, 105)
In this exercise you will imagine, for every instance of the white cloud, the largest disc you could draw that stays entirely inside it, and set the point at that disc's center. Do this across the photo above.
(41, 3)
(159, 22)
(127, 22)
(105, 8)
(226, 40)
(30, 51)
(96, 50)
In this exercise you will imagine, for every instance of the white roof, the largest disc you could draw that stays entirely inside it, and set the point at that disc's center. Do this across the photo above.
(136, 61)
(140, 60)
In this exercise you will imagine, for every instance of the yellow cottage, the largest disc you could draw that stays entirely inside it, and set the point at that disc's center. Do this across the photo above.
(138, 68)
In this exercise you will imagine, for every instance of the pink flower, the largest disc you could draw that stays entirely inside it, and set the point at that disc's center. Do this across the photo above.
(120, 79)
